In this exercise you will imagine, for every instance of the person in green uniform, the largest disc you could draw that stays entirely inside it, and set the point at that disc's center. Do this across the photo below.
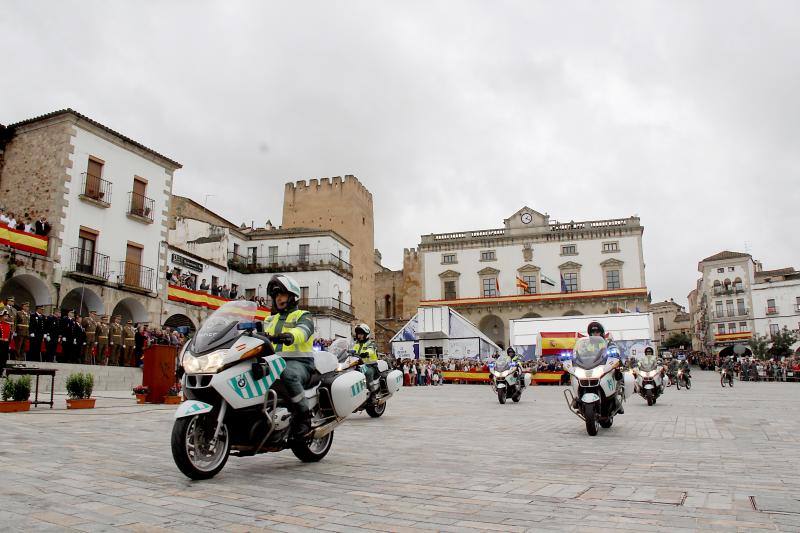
(291, 330)
(366, 350)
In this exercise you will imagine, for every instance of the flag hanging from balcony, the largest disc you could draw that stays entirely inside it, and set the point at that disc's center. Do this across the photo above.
(563, 284)
(203, 299)
(23, 241)
(522, 284)
(497, 285)
(548, 281)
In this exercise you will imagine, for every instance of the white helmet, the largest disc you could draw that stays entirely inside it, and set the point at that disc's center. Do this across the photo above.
(282, 283)
(364, 329)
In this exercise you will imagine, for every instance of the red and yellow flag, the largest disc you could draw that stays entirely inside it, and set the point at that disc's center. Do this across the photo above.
(522, 284)
(26, 242)
(203, 299)
(554, 343)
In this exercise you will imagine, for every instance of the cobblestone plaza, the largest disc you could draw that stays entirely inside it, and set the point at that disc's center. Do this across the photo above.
(442, 458)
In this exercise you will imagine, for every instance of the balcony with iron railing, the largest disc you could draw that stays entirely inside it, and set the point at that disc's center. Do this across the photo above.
(136, 277)
(95, 190)
(140, 207)
(731, 313)
(88, 265)
(772, 310)
(289, 263)
(330, 306)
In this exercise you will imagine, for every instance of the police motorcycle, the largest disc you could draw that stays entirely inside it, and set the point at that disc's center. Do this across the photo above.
(236, 403)
(683, 378)
(383, 387)
(596, 395)
(507, 379)
(649, 378)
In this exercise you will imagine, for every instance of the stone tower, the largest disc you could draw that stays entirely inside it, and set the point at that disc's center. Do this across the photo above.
(343, 205)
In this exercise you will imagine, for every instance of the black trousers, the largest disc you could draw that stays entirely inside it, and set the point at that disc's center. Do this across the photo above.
(3, 354)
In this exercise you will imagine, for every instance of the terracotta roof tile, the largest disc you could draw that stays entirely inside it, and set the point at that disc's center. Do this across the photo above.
(725, 255)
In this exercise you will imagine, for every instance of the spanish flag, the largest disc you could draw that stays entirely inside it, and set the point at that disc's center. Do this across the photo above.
(203, 299)
(522, 284)
(26, 242)
(554, 343)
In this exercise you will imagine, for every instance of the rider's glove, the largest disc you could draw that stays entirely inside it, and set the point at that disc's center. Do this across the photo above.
(287, 339)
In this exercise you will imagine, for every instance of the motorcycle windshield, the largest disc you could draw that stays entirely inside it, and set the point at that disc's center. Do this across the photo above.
(221, 327)
(502, 363)
(589, 352)
(340, 348)
(648, 363)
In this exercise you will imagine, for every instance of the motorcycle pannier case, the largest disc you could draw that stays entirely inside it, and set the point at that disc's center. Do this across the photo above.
(392, 381)
(628, 379)
(349, 391)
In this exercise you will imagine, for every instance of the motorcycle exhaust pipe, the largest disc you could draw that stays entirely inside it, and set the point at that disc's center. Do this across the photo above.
(326, 428)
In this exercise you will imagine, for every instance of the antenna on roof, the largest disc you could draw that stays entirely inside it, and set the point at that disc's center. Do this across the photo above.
(746, 247)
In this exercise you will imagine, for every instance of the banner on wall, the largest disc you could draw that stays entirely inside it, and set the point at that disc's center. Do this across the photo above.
(405, 349)
(463, 348)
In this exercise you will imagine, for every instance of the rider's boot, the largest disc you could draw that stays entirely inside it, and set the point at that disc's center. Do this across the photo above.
(301, 424)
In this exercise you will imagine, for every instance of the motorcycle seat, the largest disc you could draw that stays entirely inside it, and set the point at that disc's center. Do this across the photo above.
(313, 381)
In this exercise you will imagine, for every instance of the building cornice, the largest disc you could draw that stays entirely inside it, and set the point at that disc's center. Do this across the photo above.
(545, 297)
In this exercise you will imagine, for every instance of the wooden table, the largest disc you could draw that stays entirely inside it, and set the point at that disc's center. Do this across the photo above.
(29, 371)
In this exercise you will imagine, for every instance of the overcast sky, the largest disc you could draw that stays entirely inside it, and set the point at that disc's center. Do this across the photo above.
(453, 114)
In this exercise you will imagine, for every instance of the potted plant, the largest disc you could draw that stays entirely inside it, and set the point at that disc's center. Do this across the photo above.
(141, 392)
(79, 389)
(173, 394)
(15, 395)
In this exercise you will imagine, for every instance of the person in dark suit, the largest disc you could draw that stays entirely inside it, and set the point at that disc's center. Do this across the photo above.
(67, 339)
(52, 334)
(36, 330)
(42, 226)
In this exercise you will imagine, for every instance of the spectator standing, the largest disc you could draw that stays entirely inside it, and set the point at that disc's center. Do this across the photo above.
(36, 333)
(5, 337)
(204, 285)
(42, 226)
(140, 343)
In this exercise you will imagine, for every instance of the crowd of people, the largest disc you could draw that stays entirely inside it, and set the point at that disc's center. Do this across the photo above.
(63, 336)
(750, 369)
(26, 222)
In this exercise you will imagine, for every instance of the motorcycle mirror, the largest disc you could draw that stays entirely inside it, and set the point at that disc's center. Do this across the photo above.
(247, 326)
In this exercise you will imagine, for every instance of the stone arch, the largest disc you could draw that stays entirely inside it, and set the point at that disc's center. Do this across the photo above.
(531, 315)
(492, 326)
(131, 309)
(27, 288)
(178, 320)
(83, 300)
(573, 312)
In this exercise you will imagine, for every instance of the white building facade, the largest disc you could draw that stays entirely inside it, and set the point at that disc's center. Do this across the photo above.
(534, 267)
(776, 301)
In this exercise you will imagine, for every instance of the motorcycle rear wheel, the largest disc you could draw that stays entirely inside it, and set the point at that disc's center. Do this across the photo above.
(517, 396)
(312, 450)
(605, 424)
(591, 419)
(376, 410)
(190, 455)
(688, 384)
(501, 395)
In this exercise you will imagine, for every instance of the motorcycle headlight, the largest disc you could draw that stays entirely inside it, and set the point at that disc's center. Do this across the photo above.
(206, 364)
(594, 373)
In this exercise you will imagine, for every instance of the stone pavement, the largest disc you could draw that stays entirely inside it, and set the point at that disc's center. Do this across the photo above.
(442, 458)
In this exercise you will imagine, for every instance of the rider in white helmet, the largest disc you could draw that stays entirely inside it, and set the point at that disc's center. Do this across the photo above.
(292, 332)
(366, 350)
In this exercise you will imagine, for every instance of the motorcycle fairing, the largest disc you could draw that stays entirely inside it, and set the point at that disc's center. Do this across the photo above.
(192, 408)
(238, 386)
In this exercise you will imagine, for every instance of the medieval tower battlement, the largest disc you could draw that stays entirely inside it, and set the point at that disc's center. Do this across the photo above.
(343, 205)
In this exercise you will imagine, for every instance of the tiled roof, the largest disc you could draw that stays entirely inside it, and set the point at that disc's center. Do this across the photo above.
(95, 123)
(725, 255)
(777, 272)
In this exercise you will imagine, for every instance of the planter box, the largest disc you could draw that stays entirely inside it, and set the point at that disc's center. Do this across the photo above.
(173, 400)
(141, 398)
(14, 407)
(82, 403)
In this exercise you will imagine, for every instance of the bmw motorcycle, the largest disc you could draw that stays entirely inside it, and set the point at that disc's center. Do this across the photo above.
(596, 395)
(649, 379)
(507, 379)
(726, 376)
(683, 379)
(236, 403)
(387, 383)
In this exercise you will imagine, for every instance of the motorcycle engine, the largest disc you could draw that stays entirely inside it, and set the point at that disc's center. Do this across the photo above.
(281, 418)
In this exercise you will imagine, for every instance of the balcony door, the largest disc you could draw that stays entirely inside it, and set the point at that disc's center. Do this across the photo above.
(138, 196)
(94, 172)
(87, 244)
(133, 265)
(304, 252)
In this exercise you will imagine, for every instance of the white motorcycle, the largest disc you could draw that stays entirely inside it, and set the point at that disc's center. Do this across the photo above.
(507, 379)
(649, 379)
(236, 403)
(598, 395)
(383, 387)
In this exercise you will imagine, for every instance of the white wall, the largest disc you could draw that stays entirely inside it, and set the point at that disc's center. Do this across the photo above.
(208, 269)
(114, 227)
(785, 294)
(291, 246)
(546, 256)
(188, 230)
(331, 328)
(320, 283)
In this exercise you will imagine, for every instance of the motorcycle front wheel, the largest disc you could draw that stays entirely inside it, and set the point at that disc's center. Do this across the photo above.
(591, 419)
(678, 384)
(312, 450)
(376, 410)
(722, 381)
(650, 399)
(192, 450)
(501, 395)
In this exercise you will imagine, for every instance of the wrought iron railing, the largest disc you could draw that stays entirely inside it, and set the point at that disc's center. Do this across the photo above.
(140, 205)
(325, 303)
(772, 310)
(136, 276)
(88, 263)
(96, 188)
(277, 263)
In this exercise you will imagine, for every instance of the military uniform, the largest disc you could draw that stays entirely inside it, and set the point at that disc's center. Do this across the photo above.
(89, 329)
(36, 329)
(12, 319)
(22, 328)
(52, 332)
(116, 342)
(101, 332)
(128, 338)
